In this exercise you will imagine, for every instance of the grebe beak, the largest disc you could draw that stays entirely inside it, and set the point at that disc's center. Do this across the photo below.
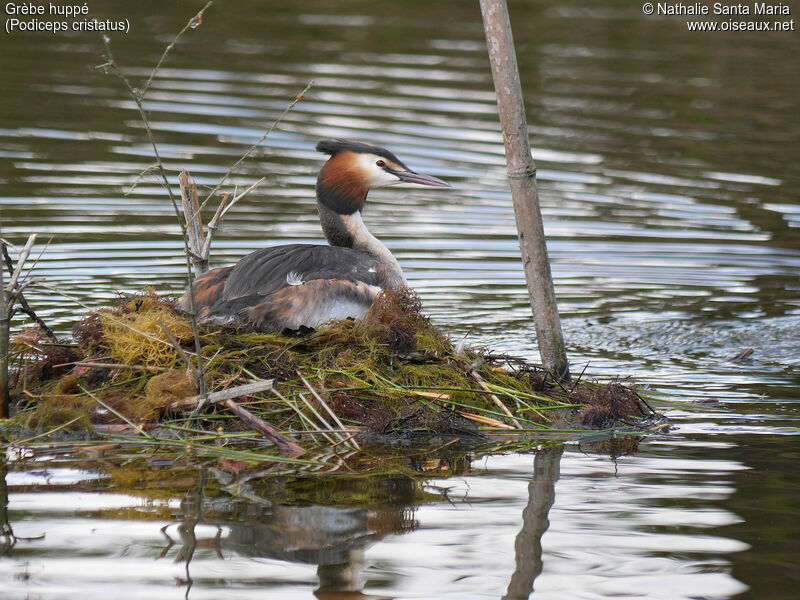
(418, 178)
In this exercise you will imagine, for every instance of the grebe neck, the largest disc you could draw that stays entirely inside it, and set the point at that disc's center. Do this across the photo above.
(350, 231)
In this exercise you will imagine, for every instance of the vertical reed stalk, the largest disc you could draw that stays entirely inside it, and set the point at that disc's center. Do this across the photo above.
(522, 180)
(5, 318)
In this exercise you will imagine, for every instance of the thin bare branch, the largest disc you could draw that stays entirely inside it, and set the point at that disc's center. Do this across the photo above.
(224, 206)
(21, 258)
(23, 303)
(191, 24)
(38, 258)
(139, 178)
(111, 63)
(257, 144)
(180, 351)
(286, 445)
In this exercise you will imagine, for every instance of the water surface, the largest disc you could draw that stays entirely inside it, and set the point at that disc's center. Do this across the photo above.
(668, 175)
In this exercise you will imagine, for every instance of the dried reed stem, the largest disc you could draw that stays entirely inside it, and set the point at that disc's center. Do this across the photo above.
(286, 445)
(23, 303)
(494, 398)
(321, 419)
(222, 395)
(326, 407)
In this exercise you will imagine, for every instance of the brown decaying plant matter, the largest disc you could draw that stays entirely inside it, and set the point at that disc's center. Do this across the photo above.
(389, 376)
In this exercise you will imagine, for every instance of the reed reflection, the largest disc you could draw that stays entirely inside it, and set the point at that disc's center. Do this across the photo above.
(7, 539)
(528, 544)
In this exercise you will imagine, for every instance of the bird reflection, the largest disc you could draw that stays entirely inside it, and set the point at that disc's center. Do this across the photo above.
(334, 538)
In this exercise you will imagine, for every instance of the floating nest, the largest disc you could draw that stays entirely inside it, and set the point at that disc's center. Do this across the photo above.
(390, 377)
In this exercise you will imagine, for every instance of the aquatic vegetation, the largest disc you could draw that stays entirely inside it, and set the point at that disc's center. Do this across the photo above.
(391, 377)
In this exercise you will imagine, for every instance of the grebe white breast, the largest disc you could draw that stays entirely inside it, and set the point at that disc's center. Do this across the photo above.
(304, 285)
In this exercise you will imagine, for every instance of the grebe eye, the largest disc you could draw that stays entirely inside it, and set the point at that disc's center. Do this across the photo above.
(380, 163)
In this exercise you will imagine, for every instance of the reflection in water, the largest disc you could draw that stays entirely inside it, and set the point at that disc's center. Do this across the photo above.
(528, 545)
(7, 539)
(334, 539)
(331, 538)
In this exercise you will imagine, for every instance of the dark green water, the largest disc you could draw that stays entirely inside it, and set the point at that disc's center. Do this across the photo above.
(668, 166)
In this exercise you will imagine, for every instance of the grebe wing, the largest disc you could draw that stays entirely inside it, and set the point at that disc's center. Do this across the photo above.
(266, 271)
(289, 287)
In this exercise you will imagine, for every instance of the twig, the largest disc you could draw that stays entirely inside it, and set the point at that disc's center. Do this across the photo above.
(222, 395)
(139, 177)
(578, 380)
(646, 403)
(222, 210)
(258, 143)
(325, 406)
(191, 24)
(23, 303)
(172, 340)
(268, 431)
(21, 258)
(8, 296)
(38, 258)
(137, 98)
(494, 398)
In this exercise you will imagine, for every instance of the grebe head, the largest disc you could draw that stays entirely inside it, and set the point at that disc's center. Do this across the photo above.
(354, 168)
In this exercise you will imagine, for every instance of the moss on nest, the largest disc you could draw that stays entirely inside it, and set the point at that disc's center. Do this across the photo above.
(133, 333)
(392, 373)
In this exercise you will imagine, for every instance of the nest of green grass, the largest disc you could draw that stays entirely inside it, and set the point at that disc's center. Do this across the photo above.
(389, 376)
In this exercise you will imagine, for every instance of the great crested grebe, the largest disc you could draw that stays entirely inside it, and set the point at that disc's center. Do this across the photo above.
(304, 285)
